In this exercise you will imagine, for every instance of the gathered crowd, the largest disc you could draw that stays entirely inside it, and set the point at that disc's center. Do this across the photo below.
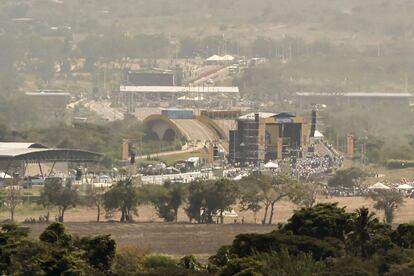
(313, 167)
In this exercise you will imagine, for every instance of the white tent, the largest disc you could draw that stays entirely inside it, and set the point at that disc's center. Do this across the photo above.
(271, 165)
(379, 186)
(4, 175)
(405, 187)
(318, 134)
(240, 176)
(228, 214)
(214, 58)
(227, 58)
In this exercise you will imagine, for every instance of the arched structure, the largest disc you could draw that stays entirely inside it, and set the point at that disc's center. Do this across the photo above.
(164, 128)
(187, 129)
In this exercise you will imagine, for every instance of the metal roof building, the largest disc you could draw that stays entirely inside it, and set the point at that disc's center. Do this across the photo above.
(180, 89)
(15, 156)
(33, 152)
(365, 99)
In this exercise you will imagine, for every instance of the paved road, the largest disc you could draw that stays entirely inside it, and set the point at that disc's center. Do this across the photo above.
(104, 110)
(215, 76)
(186, 148)
(195, 130)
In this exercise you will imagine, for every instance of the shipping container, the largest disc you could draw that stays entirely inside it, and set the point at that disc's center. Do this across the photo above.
(177, 113)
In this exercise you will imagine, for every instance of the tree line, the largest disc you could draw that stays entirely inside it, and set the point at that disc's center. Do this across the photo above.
(201, 201)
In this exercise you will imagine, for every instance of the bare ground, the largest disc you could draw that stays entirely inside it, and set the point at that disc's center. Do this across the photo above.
(164, 238)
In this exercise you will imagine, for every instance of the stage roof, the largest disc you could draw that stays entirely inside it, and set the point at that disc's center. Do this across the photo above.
(252, 116)
(355, 94)
(179, 89)
(32, 155)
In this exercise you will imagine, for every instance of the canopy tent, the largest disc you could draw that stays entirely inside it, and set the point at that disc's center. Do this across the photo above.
(271, 165)
(379, 186)
(240, 176)
(4, 175)
(227, 58)
(228, 214)
(318, 134)
(405, 187)
(214, 58)
(220, 58)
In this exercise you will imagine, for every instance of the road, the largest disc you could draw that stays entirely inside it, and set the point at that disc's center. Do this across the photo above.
(194, 130)
(216, 77)
(104, 110)
(186, 148)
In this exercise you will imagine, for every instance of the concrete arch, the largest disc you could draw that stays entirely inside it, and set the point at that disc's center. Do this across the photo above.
(187, 129)
(161, 125)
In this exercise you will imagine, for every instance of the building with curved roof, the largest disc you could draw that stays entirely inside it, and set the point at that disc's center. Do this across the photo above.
(15, 156)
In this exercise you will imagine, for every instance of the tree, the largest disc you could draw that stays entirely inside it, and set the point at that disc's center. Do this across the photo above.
(389, 201)
(100, 251)
(177, 193)
(209, 198)
(76, 255)
(321, 221)
(159, 197)
(55, 233)
(251, 199)
(95, 197)
(11, 197)
(348, 178)
(219, 198)
(62, 195)
(123, 196)
(305, 194)
(245, 245)
(166, 199)
(195, 200)
(272, 190)
(46, 69)
(363, 224)
(403, 236)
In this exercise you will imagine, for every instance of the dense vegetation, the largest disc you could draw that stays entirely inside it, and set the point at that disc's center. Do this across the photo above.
(320, 240)
(105, 138)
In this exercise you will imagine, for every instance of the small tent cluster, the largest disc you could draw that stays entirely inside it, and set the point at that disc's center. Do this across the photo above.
(216, 59)
(381, 186)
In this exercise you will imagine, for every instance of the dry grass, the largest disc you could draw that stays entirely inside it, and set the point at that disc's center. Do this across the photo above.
(172, 239)
(284, 211)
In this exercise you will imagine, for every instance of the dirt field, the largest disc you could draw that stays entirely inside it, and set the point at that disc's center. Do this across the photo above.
(172, 239)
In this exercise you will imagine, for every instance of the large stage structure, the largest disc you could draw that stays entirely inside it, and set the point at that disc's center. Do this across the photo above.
(267, 136)
(132, 96)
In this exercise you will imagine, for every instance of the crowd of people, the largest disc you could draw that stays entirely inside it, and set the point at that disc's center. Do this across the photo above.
(312, 167)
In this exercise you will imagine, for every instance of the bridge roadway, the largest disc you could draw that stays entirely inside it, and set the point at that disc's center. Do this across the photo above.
(194, 130)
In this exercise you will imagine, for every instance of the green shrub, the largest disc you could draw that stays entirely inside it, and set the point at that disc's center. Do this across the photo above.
(158, 261)
(399, 164)
(248, 244)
